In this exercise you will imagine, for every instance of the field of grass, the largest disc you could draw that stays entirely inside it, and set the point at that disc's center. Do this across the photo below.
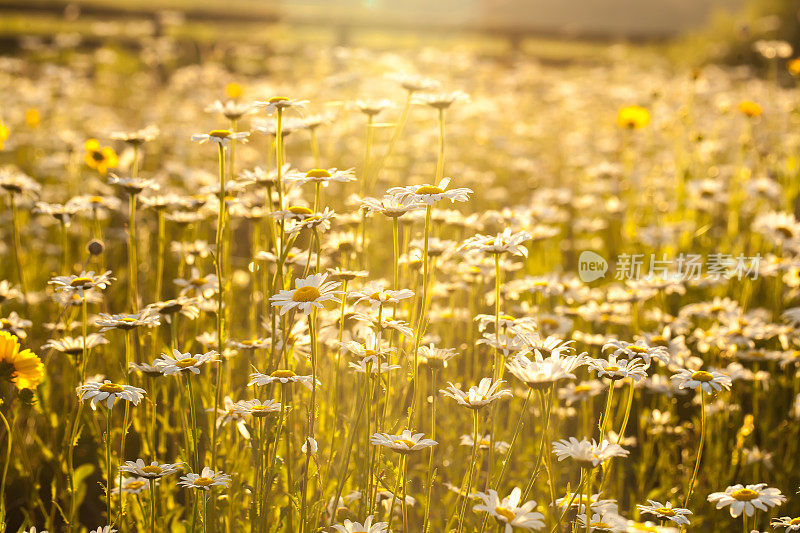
(261, 277)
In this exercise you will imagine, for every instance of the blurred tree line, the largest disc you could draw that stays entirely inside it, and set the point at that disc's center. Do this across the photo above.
(731, 37)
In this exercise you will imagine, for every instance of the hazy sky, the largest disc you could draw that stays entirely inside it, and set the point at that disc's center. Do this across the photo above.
(624, 16)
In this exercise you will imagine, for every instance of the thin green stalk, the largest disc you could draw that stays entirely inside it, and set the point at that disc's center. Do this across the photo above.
(132, 255)
(475, 441)
(700, 447)
(421, 319)
(10, 437)
(220, 296)
(108, 465)
(311, 417)
(17, 244)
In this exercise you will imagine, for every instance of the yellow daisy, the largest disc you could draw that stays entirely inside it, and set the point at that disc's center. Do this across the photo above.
(100, 158)
(23, 368)
(633, 117)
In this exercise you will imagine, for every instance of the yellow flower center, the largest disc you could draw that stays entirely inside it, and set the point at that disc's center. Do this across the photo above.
(429, 189)
(611, 369)
(135, 485)
(300, 210)
(702, 376)
(744, 495)
(508, 514)
(259, 407)
(283, 374)
(278, 99)
(306, 294)
(794, 521)
(599, 525)
(199, 281)
(127, 319)
(152, 469)
(582, 388)
(637, 349)
(186, 362)
(318, 173)
(203, 481)
(405, 442)
(665, 511)
(81, 282)
(112, 388)
(659, 341)
(220, 134)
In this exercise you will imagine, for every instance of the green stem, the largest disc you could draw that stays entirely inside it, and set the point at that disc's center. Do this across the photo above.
(700, 448)
(475, 441)
(132, 253)
(220, 297)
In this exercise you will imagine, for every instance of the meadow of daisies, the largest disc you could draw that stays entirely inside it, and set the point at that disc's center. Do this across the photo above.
(313, 288)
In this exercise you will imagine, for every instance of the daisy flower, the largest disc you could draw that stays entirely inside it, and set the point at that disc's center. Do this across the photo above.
(484, 442)
(379, 297)
(390, 206)
(110, 392)
(666, 511)
(405, 442)
(507, 512)
(22, 368)
(138, 137)
(358, 527)
(309, 293)
(791, 524)
(538, 374)
(154, 470)
(281, 376)
(708, 381)
(430, 194)
(505, 242)
(104, 529)
(279, 102)
(82, 282)
(746, 499)
(256, 408)
(479, 395)
(131, 184)
(587, 454)
(131, 485)
(317, 221)
(127, 321)
(221, 137)
(619, 369)
(230, 109)
(640, 349)
(440, 100)
(206, 480)
(435, 357)
(373, 107)
(368, 366)
(184, 362)
(322, 175)
(74, 345)
(607, 521)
